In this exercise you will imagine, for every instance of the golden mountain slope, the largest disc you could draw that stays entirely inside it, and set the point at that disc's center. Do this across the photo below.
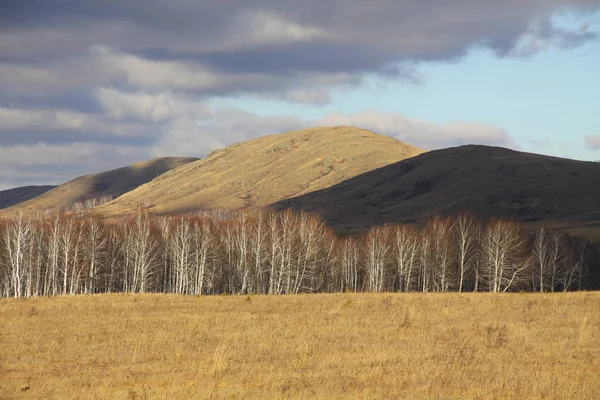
(265, 170)
(111, 183)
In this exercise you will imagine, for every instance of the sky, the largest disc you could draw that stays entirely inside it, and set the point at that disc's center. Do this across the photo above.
(94, 85)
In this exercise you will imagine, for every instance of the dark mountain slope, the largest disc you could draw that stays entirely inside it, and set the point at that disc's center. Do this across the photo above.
(488, 181)
(10, 197)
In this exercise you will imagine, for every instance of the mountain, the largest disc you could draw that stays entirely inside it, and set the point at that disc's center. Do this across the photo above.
(266, 170)
(488, 181)
(18, 195)
(106, 184)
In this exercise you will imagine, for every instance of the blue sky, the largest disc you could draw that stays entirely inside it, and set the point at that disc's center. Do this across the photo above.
(91, 86)
(547, 102)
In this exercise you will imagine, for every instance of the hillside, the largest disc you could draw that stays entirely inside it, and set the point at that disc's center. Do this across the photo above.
(111, 183)
(265, 170)
(488, 181)
(10, 197)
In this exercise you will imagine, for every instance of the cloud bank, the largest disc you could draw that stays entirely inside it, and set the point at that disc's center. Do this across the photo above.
(87, 86)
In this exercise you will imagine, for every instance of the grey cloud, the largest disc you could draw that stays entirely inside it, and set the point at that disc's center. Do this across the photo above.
(19, 126)
(341, 36)
(141, 74)
(124, 118)
(50, 146)
(127, 72)
(55, 164)
(81, 100)
(273, 48)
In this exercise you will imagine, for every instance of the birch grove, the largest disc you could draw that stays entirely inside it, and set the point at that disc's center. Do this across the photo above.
(283, 253)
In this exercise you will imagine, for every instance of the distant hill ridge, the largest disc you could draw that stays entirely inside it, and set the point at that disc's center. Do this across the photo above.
(354, 179)
(10, 197)
(265, 170)
(105, 184)
(487, 181)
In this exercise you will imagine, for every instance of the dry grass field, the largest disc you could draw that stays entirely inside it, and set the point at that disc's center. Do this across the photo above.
(368, 346)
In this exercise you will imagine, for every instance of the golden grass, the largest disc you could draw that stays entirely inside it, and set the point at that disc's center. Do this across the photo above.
(370, 346)
(265, 170)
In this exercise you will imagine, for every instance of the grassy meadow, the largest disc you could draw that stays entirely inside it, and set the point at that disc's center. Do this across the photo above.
(367, 346)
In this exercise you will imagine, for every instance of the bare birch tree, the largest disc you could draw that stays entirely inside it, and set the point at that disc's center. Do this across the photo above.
(17, 240)
(505, 256)
(349, 262)
(377, 258)
(466, 232)
(140, 253)
(439, 231)
(259, 251)
(282, 253)
(203, 253)
(405, 255)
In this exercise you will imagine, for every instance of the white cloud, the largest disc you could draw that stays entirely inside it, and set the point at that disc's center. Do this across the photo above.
(592, 142)
(56, 124)
(183, 127)
(229, 126)
(19, 119)
(423, 133)
(163, 75)
(546, 32)
(258, 28)
(198, 138)
(149, 107)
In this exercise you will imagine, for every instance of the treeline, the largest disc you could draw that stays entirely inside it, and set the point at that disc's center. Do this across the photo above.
(282, 253)
(88, 204)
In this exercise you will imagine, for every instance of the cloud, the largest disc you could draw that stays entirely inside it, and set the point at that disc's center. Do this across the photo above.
(226, 47)
(592, 142)
(121, 117)
(422, 133)
(118, 81)
(50, 126)
(189, 128)
(268, 48)
(228, 126)
(262, 28)
(11, 119)
(142, 106)
(545, 33)
(54, 164)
